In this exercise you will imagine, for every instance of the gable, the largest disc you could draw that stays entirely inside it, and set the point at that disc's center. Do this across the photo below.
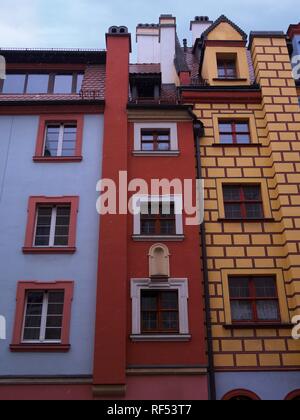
(224, 32)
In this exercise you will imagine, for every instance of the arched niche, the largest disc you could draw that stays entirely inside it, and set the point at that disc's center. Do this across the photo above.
(159, 261)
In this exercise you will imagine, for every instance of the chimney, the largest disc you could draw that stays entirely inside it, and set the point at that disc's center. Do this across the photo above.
(199, 25)
(148, 48)
(167, 27)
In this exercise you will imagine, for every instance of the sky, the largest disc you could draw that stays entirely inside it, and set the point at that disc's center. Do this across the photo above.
(83, 23)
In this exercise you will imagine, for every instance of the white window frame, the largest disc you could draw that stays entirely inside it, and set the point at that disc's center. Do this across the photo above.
(138, 127)
(181, 285)
(60, 137)
(43, 325)
(52, 229)
(137, 202)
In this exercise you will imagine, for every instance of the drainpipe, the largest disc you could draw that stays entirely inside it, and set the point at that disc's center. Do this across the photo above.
(198, 134)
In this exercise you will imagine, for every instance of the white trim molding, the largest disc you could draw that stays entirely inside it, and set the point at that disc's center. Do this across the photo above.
(138, 200)
(138, 127)
(137, 285)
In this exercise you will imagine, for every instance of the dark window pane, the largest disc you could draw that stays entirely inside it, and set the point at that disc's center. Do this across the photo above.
(241, 310)
(167, 227)
(239, 288)
(63, 84)
(149, 321)
(14, 83)
(233, 211)
(33, 321)
(55, 309)
(231, 193)
(148, 227)
(54, 321)
(254, 211)
(56, 297)
(61, 241)
(53, 334)
(37, 83)
(35, 297)
(32, 334)
(170, 321)
(265, 287)
(169, 300)
(267, 310)
(149, 302)
(252, 193)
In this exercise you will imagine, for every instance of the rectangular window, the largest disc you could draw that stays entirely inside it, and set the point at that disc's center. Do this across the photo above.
(43, 316)
(14, 84)
(60, 140)
(158, 218)
(156, 140)
(254, 299)
(159, 312)
(243, 202)
(227, 68)
(234, 132)
(34, 83)
(52, 226)
(37, 83)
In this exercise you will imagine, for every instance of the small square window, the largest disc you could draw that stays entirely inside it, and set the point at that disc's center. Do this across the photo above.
(243, 202)
(234, 132)
(227, 67)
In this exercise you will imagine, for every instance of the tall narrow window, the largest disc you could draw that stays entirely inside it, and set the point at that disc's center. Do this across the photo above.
(60, 140)
(254, 299)
(156, 140)
(43, 316)
(234, 132)
(52, 226)
(159, 312)
(243, 202)
(158, 218)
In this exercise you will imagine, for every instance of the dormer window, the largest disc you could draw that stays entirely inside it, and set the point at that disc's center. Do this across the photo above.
(145, 87)
(227, 67)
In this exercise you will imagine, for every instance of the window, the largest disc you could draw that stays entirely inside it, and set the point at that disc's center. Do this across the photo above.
(158, 218)
(14, 84)
(37, 83)
(34, 83)
(60, 140)
(243, 202)
(156, 140)
(51, 226)
(227, 68)
(43, 315)
(254, 299)
(159, 312)
(234, 132)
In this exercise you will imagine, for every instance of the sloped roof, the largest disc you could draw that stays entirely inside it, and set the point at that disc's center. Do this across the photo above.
(224, 19)
(144, 69)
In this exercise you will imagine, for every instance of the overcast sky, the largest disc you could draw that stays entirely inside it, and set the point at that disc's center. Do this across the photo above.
(83, 23)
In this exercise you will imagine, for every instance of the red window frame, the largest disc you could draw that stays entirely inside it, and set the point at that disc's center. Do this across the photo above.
(234, 131)
(243, 202)
(295, 395)
(254, 299)
(33, 204)
(226, 64)
(77, 119)
(158, 219)
(240, 393)
(156, 133)
(159, 311)
(27, 286)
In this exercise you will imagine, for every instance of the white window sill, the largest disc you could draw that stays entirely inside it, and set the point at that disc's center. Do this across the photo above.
(161, 337)
(163, 238)
(156, 153)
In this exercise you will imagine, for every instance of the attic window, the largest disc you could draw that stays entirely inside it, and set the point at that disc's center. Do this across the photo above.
(227, 66)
